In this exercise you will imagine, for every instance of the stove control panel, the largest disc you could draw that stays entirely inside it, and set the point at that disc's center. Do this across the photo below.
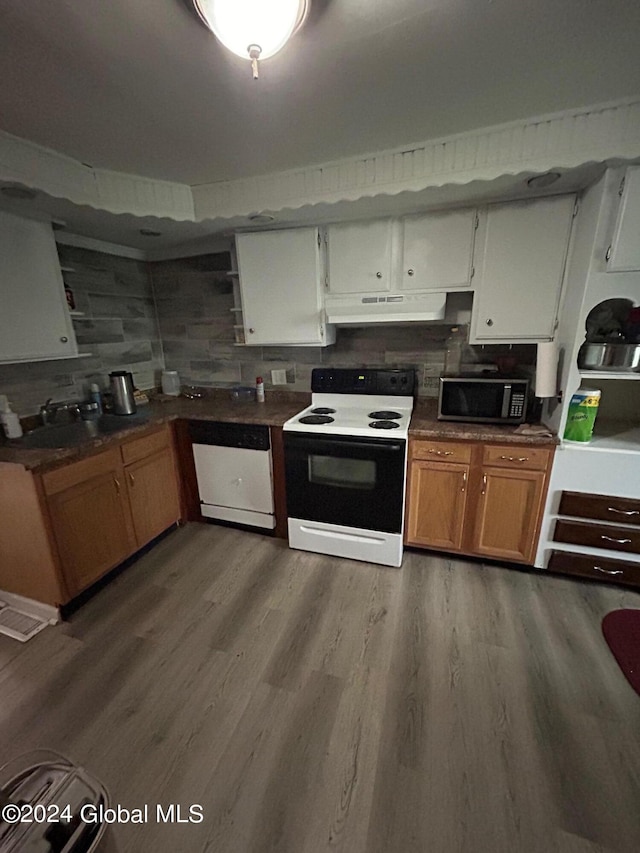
(327, 380)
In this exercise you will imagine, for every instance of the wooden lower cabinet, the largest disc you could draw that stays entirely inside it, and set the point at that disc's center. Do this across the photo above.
(437, 500)
(92, 528)
(153, 495)
(506, 518)
(101, 510)
(486, 510)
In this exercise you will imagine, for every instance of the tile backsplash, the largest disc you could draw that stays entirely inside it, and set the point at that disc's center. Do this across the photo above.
(144, 316)
(195, 301)
(119, 329)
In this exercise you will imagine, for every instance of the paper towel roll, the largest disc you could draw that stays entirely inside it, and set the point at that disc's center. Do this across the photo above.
(547, 370)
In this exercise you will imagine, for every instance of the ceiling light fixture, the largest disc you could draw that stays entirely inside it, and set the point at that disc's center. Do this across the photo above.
(253, 29)
(19, 192)
(539, 182)
(260, 218)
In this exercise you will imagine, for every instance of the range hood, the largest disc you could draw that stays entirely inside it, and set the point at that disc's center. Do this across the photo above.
(358, 309)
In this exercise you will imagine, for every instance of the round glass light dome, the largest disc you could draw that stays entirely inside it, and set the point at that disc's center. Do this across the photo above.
(253, 29)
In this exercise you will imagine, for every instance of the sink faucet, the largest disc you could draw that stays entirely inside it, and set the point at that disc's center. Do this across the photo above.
(49, 412)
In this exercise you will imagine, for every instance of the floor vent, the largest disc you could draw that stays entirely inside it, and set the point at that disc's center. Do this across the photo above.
(18, 625)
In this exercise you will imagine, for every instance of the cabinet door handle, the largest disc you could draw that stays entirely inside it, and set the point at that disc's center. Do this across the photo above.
(441, 452)
(608, 571)
(484, 484)
(251, 331)
(619, 541)
(464, 480)
(515, 458)
(117, 484)
(132, 479)
(378, 275)
(623, 511)
(489, 322)
(409, 272)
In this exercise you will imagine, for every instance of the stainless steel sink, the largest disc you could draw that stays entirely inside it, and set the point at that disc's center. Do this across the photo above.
(79, 432)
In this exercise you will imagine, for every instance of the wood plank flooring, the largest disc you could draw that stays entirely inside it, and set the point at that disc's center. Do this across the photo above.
(315, 704)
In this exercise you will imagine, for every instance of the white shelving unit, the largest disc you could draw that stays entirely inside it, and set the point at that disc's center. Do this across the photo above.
(608, 374)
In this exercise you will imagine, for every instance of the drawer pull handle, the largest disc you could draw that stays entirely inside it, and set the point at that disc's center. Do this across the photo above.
(515, 458)
(619, 541)
(117, 484)
(132, 479)
(609, 571)
(441, 452)
(624, 511)
(484, 484)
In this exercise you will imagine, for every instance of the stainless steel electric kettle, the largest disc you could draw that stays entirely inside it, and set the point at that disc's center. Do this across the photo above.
(122, 389)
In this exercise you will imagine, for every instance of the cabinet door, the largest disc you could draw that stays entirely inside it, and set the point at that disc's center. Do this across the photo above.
(519, 270)
(625, 246)
(280, 285)
(437, 499)
(153, 494)
(359, 257)
(506, 522)
(92, 528)
(438, 250)
(34, 320)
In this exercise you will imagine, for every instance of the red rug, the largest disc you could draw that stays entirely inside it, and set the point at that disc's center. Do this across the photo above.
(621, 629)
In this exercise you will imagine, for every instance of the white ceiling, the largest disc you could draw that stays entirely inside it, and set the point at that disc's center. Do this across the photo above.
(143, 87)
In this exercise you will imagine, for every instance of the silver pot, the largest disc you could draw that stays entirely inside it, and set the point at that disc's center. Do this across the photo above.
(614, 357)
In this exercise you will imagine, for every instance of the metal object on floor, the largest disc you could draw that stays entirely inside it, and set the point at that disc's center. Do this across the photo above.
(57, 806)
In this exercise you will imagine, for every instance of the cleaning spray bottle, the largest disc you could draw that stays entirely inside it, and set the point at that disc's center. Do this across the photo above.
(9, 420)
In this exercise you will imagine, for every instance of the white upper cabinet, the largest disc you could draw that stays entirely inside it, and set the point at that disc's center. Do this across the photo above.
(35, 324)
(281, 282)
(520, 257)
(359, 256)
(432, 251)
(437, 251)
(624, 253)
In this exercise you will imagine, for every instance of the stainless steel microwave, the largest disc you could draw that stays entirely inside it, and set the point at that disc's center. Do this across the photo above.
(481, 400)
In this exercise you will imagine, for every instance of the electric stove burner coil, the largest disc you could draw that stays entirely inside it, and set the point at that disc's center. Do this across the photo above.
(384, 415)
(323, 410)
(384, 425)
(315, 420)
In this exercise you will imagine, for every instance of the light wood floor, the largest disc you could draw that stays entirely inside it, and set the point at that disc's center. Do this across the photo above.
(315, 704)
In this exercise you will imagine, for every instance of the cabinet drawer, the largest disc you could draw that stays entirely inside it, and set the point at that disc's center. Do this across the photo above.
(584, 505)
(516, 456)
(588, 566)
(444, 451)
(598, 536)
(77, 472)
(147, 444)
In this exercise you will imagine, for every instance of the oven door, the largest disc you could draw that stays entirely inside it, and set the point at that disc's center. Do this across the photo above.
(355, 482)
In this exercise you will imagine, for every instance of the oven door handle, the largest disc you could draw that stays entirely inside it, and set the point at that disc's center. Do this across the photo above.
(319, 445)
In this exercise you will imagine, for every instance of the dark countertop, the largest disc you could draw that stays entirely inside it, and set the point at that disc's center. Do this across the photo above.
(214, 407)
(425, 424)
(273, 412)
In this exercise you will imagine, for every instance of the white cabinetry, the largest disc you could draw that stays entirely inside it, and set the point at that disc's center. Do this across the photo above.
(624, 253)
(437, 250)
(281, 281)
(519, 267)
(359, 256)
(432, 251)
(34, 318)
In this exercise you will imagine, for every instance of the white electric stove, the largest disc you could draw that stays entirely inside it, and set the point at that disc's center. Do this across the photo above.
(346, 457)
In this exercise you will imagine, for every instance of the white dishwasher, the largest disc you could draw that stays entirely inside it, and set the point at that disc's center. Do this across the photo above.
(234, 471)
